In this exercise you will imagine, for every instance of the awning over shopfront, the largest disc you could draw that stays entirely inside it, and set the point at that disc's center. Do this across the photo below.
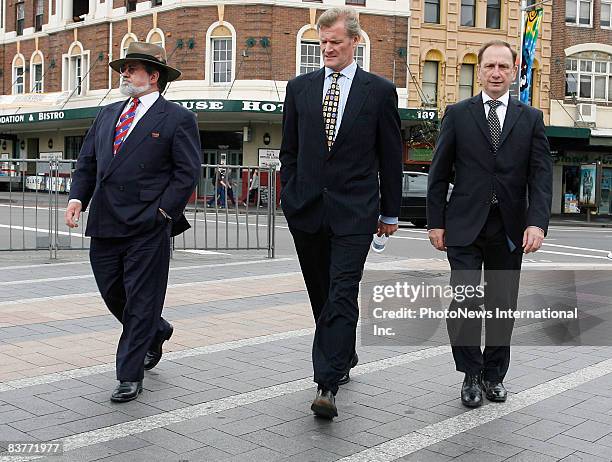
(14, 121)
(568, 132)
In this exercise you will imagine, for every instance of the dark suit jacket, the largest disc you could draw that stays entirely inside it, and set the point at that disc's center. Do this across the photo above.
(157, 167)
(341, 185)
(521, 172)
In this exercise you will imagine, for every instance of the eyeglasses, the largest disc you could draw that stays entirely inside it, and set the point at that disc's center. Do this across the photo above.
(129, 68)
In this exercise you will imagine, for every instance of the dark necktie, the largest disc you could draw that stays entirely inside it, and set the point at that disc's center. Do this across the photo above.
(125, 122)
(495, 130)
(330, 109)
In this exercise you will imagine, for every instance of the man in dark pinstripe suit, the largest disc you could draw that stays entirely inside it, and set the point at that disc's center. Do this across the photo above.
(341, 178)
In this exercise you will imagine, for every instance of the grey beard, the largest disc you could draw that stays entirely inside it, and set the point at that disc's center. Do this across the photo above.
(128, 89)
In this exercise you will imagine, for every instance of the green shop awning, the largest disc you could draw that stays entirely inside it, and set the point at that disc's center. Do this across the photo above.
(197, 105)
(554, 131)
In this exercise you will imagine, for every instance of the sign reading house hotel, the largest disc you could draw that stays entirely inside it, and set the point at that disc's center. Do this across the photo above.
(195, 105)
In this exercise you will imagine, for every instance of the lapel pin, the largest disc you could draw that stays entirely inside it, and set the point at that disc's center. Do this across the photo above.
(155, 134)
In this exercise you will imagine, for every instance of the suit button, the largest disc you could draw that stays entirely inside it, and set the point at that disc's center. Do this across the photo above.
(324, 190)
(121, 188)
(142, 165)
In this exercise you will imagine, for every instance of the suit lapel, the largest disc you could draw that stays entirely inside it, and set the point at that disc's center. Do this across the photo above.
(154, 115)
(314, 97)
(478, 112)
(356, 97)
(512, 114)
(108, 134)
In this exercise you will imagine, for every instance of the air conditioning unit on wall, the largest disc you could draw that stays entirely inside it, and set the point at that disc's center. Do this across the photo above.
(586, 113)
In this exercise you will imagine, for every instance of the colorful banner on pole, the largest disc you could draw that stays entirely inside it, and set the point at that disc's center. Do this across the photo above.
(530, 36)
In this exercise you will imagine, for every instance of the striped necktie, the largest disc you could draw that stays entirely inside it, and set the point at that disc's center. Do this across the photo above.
(330, 109)
(125, 122)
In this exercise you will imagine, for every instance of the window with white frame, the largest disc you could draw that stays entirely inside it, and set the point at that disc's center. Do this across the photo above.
(156, 37)
(310, 56)
(38, 15)
(606, 13)
(466, 81)
(74, 70)
(18, 76)
(360, 55)
(126, 43)
(20, 17)
(36, 73)
(220, 53)
(579, 12)
(430, 82)
(588, 76)
(222, 59)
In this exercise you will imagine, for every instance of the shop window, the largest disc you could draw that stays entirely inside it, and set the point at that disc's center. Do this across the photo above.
(72, 147)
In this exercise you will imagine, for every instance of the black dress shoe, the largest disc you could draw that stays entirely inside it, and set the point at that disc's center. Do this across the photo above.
(126, 391)
(494, 391)
(471, 390)
(324, 405)
(155, 351)
(346, 378)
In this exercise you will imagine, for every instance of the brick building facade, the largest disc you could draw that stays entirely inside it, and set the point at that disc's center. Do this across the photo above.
(581, 105)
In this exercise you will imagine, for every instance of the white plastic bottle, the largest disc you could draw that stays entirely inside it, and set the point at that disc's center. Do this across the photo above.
(379, 242)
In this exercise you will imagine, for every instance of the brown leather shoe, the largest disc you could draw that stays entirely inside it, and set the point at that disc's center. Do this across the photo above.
(324, 404)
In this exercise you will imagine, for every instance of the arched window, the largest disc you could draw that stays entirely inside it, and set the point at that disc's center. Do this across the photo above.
(156, 36)
(74, 69)
(362, 52)
(36, 72)
(125, 43)
(221, 53)
(18, 74)
(308, 54)
(588, 76)
(431, 76)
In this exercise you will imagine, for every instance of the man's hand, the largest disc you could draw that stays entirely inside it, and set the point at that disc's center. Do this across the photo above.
(73, 213)
(384, 228)
(436, 237)
(532, 239)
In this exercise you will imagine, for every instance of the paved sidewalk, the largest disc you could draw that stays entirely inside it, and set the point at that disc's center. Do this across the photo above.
(235, 382)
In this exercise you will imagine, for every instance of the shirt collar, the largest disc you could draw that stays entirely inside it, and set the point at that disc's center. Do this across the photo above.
(503, 98)
(348, 72)
(147, 100)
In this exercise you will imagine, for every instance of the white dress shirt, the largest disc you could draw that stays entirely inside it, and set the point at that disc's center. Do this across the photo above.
(501, 109)
(146, 102)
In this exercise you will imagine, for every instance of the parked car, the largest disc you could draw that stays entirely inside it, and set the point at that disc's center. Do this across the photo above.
(414, 196)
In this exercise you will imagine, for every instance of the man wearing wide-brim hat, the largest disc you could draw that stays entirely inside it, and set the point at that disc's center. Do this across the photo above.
(136, 171)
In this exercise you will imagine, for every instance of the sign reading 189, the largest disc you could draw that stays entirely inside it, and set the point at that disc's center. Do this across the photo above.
(426, 115)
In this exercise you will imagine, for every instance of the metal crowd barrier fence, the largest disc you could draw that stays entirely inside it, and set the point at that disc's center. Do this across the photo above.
(233, 207)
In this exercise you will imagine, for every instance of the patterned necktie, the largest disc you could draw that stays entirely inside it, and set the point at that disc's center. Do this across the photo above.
(330, 108)
(495, 130)
(493, 120)
(125, 122)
